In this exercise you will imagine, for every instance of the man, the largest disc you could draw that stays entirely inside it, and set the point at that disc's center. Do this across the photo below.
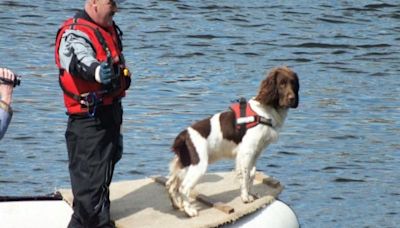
(6, 89)
(93, 77)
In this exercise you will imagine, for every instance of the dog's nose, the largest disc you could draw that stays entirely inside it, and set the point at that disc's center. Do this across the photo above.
(292, 98)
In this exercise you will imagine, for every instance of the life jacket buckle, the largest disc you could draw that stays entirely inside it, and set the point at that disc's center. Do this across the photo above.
(90, 102)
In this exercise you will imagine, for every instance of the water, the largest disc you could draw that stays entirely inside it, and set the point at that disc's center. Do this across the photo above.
(338, 153)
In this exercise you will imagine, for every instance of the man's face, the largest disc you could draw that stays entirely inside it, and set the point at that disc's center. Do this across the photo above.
(105, 12)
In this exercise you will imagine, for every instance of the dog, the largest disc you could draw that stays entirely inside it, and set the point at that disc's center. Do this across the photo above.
(230, 135)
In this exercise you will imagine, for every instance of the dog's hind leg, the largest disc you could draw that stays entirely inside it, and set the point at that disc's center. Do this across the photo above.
(193, 175)
(174, 182)
(174, 195)
(195, 171)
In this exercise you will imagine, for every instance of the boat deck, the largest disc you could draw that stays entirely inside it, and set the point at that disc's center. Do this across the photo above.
(145, 202)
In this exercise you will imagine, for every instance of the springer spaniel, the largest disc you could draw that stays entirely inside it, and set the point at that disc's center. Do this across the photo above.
(232, 135)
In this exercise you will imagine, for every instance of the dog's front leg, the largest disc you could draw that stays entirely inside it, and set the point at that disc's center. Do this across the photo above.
(238, 170)
(246, 170)
(251, 180)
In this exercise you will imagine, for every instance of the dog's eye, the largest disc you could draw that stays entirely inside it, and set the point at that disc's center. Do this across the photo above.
(282, 82)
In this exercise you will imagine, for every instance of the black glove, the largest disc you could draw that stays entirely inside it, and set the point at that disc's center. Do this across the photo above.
(105, 73)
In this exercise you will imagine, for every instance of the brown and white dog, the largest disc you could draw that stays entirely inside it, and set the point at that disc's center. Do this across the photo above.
(217, 137)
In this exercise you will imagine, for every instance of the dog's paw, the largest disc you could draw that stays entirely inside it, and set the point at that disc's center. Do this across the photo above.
(176, 202)
(191, 211)
(247, 198)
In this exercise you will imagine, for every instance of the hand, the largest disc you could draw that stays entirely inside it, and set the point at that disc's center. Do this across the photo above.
(5, 88)
(105, 73)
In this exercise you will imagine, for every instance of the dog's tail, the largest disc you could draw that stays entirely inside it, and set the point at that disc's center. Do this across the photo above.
(176, 166)
(174, 169)
(176, 174)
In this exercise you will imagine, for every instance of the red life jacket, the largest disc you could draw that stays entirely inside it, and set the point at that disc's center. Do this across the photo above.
(81, 95)
(246, 117)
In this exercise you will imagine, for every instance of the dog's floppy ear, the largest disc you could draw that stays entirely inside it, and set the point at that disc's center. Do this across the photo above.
(296, 88)
(268, 93)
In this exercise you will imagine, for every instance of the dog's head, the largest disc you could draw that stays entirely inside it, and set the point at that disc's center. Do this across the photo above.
(280, 89)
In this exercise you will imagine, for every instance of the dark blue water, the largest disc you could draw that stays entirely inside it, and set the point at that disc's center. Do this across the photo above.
(339, 152)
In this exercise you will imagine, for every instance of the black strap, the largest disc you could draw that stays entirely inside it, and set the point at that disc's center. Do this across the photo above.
(242, 107)
(67, 92)
(8, 82)
(263, 120)
(107, 51)
(119, 34)
(102, 42)
(87, 100)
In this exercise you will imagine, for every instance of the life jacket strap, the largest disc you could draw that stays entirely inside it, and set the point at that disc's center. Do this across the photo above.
(89, 100)
(263, 120)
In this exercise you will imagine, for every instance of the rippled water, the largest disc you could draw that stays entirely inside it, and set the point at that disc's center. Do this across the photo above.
(339, 153)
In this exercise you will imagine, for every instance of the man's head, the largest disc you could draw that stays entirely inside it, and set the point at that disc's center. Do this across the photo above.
(102, 11)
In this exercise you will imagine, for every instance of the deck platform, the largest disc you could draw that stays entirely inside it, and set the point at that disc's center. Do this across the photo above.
(145, 202)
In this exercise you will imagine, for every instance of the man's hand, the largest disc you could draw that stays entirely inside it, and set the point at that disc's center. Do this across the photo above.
(5, 88)
(105, 74)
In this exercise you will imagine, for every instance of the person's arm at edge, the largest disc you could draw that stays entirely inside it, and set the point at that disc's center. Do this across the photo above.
(5, 117)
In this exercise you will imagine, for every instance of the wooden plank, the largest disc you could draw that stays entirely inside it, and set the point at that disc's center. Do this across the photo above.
(267, 180)
(201, 198)
(217, 205)
(160, 179)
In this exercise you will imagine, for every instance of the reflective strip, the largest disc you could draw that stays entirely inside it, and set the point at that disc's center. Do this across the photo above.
(243, 120)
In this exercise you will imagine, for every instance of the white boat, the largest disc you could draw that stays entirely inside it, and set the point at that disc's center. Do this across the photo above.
(136, 203)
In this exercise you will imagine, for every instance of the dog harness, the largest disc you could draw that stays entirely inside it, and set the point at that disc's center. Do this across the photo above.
(246, 117)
